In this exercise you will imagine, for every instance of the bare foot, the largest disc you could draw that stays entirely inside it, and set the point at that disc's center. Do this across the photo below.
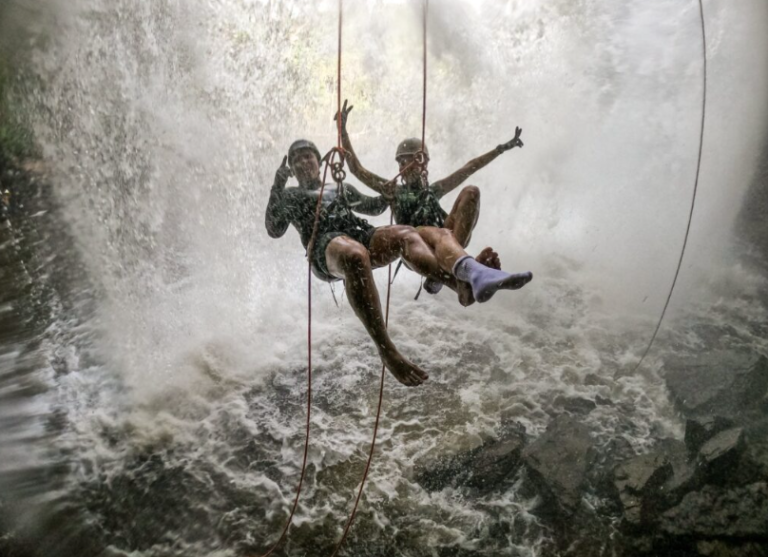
(487, 257)
(404, 371)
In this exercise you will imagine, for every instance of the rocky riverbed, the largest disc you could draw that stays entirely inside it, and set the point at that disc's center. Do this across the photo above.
(705, 494)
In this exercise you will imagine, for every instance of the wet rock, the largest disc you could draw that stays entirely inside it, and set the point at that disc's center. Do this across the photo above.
(484, 468)
(494, 463)
(575, 404)
(721, 453)
(721, 548)
(447, 471)
(638, 482)
(726, 383)
(685, 473)
(753, 463)
(593, 379)
(715, 512)
(557, 462)
(602, 401)
(604, 461)
(700, 430)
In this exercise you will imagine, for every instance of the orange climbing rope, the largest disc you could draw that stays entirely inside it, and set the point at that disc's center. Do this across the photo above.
(338, 174)
(310, 248)
(422, 162)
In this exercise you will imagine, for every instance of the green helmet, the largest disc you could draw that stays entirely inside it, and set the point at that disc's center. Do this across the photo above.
(302, 144)
(410, 146)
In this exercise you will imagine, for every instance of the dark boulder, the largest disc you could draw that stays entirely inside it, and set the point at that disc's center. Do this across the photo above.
(753, 464)
(602, 401)
(558, 461)
(604, 461)
(721, 454)
(685, 473)
(445, 471)
(574, 404)
(716, 512)
(484, 468)
(722, 548)
(700, 430)
(727, 383)
(638, 482)
(495, 462)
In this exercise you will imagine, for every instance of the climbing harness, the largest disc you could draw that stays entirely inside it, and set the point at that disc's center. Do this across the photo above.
(695, 185)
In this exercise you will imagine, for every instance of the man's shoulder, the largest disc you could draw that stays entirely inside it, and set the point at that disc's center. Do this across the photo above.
(437, 188)
(296, 192)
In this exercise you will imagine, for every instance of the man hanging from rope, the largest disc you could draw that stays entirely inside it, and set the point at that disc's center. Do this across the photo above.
(347, 247)
(417, 203)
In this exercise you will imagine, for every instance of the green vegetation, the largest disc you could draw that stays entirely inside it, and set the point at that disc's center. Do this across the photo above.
(16, 141)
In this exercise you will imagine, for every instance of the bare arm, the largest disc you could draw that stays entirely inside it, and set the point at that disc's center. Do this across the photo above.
(373, 181)
(365, 204)
(449, 183)
(277, 218)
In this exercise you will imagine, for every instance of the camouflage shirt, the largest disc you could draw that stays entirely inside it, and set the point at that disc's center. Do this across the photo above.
(297, 205)
(415, 205)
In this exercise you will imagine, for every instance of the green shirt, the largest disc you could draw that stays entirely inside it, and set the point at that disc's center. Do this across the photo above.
(297, 205)
(416, 205)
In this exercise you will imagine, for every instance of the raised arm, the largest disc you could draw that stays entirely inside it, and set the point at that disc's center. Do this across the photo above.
(449, 183)
(277, 218)
(373, 181)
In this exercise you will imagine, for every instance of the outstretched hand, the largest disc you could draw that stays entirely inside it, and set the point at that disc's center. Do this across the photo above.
(514, 142)
(344, 114)
(283, 173)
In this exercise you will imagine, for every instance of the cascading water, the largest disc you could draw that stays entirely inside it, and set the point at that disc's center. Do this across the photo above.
(178, 388)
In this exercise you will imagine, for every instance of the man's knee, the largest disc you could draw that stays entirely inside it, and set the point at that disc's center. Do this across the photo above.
(400, 234)
(471, 194)
(351, 254)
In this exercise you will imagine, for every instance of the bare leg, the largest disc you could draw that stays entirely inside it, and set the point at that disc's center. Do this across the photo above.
(447, 249)
(478, 281)
(463, 217)
(485, 281)
(391, 242)
(350, 260)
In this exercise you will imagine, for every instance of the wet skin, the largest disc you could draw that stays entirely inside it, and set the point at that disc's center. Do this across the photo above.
(466, 209)
(351, 261)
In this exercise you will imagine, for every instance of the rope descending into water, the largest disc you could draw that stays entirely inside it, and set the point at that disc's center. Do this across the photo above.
(310, 249)
(338, 176)
(389, 277)
(695, 186)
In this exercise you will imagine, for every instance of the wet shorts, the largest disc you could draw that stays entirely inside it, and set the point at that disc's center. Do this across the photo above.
(319, 264)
